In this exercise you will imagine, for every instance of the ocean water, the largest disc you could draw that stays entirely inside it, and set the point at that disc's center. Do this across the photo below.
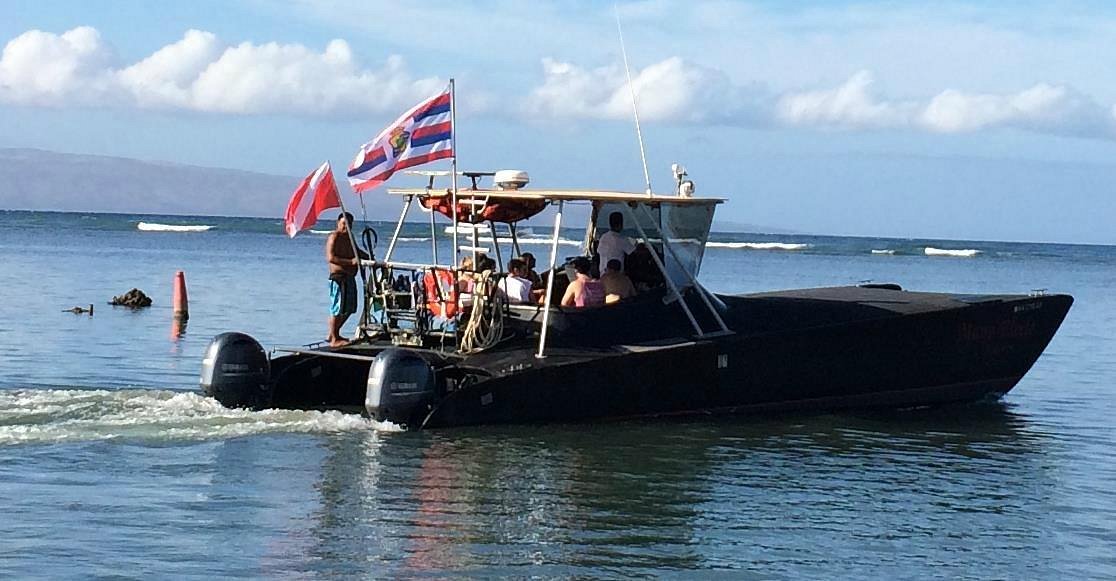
(112, 464)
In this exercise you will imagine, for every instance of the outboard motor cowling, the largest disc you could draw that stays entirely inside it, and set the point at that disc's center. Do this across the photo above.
(401, 387)
(237, 372)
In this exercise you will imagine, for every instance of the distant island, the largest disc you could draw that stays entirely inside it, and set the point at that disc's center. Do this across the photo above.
(33, 179)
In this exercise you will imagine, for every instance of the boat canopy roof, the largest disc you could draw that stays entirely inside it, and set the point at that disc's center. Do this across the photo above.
(557, 195)
(508, 206)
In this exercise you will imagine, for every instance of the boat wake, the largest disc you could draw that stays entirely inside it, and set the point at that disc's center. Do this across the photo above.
(156, 227)
(965, 253)
(758, 245)
(50, 416)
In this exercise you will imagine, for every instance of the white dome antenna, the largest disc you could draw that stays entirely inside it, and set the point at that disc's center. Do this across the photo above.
(511, 179)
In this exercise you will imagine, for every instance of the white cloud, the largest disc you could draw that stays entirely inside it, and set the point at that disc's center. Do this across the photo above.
(675, 90)
(850, 105)
(1043, 108)
(670, 90)
(48, 69)
(165, 78)
(200, 73)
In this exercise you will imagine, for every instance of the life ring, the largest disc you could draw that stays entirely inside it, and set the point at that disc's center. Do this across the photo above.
(441, 293)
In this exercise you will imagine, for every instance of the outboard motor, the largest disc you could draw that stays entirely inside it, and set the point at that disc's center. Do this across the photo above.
(401, 387)
(236, 372)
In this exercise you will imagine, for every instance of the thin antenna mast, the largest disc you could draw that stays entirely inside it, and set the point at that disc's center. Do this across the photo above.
(635, 107)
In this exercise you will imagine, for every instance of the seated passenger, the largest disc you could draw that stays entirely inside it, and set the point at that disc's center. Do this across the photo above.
(642, 270)
(485, 263)
(561, 282)
(584, 290)
(516, 286)
(617, 285)
(531, 275)
(465, 277)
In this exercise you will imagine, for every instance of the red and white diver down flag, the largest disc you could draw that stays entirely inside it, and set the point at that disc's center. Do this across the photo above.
(421, 135)
(316, 194)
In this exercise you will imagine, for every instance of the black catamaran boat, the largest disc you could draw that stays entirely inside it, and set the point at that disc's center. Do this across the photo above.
(428, 356)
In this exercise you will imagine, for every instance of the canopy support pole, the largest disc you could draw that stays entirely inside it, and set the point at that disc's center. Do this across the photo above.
(398, 228)
(453, 145)
(550, 282)
(496, 246)
(433, 238)
(515, 239)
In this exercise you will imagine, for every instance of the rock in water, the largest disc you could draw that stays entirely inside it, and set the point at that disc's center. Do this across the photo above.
(134, 298)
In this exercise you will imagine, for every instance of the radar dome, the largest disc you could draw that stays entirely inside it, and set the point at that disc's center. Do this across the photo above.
(511, 179)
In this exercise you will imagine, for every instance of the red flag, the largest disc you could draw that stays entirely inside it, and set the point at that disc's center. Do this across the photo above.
(316, 194)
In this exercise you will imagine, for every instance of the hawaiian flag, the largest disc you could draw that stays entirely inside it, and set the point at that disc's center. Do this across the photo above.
(316, 194)
(421, 135)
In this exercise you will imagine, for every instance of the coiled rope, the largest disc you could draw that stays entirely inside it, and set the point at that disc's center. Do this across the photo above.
(485, 327)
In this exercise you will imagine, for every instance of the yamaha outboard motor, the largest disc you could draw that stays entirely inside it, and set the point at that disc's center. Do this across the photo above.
(401, 387)
(236, 372)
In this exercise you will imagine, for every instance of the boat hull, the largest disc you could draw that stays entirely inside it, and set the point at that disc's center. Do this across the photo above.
(937, 357)
(815, 349)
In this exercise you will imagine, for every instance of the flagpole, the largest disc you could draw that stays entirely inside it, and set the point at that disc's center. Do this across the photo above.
(341, 202)
(453, 146)
(352, 238)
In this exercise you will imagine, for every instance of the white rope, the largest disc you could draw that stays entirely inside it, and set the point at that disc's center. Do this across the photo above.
(485, 327)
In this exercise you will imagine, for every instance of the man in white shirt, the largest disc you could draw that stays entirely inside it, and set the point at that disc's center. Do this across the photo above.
(613, 245)
(515, 286)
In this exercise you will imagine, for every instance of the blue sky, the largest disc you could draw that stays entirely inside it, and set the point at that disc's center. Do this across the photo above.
(951, 119)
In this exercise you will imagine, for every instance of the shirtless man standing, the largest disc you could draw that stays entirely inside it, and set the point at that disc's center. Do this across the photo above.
(342, 278)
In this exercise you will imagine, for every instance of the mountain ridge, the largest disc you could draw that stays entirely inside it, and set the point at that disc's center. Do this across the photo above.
(42, 180)
(36, 179)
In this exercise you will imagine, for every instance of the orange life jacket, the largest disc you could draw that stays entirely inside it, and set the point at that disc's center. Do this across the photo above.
(441, 293)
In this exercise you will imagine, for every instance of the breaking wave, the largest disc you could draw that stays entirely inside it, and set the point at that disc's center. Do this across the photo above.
(966, 253)
(48, 416)
(759, 245)
(538, 240)
(312, 231)
(887, 251)
(156, 227)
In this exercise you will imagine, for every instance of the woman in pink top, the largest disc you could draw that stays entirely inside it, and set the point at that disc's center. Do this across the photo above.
(584, 291)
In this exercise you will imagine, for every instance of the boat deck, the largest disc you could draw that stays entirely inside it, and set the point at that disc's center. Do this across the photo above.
(801, 308)
(747, 315)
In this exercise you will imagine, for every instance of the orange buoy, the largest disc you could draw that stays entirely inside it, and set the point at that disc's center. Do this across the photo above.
(181, 304)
